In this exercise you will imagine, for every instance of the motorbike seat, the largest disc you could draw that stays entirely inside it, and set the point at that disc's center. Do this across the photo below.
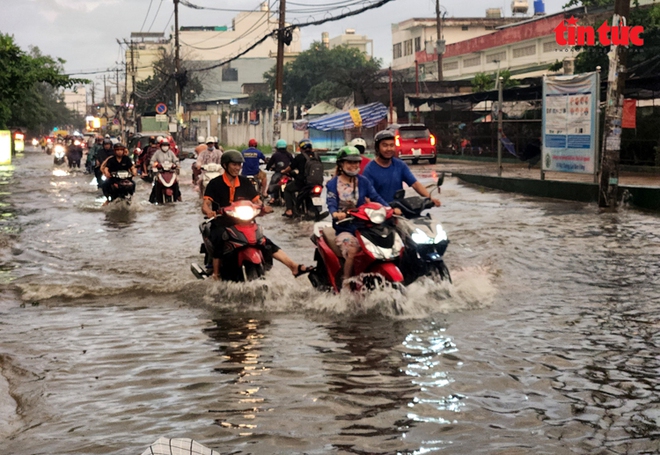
(329, 235)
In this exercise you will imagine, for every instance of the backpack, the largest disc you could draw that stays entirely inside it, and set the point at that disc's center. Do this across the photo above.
(313, 170)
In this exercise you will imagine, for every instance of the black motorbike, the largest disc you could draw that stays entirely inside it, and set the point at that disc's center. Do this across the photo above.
(424, 238)
(309, 204)
(121, 187)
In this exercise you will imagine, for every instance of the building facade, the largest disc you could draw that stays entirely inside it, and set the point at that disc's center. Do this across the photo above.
(350, 39)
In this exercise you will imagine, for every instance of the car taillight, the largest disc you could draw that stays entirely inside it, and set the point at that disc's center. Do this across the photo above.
(317, 189)
(397, 142)
(432, 139)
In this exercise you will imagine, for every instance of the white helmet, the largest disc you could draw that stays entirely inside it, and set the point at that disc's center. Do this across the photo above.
(359, 143)
(210, 139)
(200, 139)
(159, 139)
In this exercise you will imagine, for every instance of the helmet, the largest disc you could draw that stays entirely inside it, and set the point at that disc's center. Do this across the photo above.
(119, 145)
(164, 142)
(382, 136)
(231, 156)
(210, 140)
(252, 143)
(348, 153)
(159, 139)
(357, 143)
(152, 139)
(200, 139)
(107, 140)
(281, 144)
(305, 145)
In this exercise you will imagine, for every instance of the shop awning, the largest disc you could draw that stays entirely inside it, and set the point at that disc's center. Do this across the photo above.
(370, 114)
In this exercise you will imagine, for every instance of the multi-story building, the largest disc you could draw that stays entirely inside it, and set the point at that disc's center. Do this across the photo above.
(414, 36)
(76, 99)
(143, 50)
(350, 39)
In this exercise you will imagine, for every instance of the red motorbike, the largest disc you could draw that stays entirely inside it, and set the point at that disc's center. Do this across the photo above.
(242, 258)
(165, 183)
(377, 262)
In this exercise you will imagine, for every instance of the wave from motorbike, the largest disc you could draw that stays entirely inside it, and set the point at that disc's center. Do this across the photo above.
(424, 238)
(375, 265)
(242, 258)
(58, 154)
(165, 182)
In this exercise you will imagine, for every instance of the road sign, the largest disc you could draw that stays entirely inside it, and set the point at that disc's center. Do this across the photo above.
(161, 118)
(115, 121)
(161, 108)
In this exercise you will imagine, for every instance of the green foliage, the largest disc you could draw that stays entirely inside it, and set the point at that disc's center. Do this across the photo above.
(320, 74)
(161, 87)
(483, 82)
(22, 80)
(261, 100)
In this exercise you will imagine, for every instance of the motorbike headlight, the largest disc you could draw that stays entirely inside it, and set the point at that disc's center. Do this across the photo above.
(420, 238)
(441, 234)
(244, 213)
(376, 216)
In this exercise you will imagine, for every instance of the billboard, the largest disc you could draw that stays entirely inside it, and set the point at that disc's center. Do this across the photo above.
(570, 107)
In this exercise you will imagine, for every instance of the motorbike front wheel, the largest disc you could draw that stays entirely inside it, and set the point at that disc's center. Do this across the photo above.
(440, 273)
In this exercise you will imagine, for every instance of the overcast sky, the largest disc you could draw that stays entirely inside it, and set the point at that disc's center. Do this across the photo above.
(85, 32)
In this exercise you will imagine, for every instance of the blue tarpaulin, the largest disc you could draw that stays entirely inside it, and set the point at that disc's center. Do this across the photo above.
(371, 115)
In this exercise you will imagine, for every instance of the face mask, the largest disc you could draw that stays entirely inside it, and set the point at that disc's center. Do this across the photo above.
(210, 148)
(351, 173)
(165, 148)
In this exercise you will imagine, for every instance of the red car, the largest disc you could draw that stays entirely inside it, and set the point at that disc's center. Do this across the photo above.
(414, 142)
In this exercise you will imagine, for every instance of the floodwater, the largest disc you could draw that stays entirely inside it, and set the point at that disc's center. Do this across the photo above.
(546, 343)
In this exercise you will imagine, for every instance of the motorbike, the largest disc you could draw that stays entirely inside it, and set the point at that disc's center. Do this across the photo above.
(48, 147)
(59, 154)
(276, 187)
(165, 180)
(256, 183)
(377, 262)
(309, 204)
(424, 238)
(122, 188)
(209, 172)
(243, 259)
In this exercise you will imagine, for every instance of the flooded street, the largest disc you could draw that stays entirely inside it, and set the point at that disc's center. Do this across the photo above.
(548, 341)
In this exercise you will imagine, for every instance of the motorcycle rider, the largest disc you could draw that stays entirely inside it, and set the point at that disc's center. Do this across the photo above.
(348, 190)
(74, 153)
(91, 154)
(101, 155)
(162, 155)
(297, 170)
(387, 173)
(118, 162)
(210, 154)
(253, 157)
(222, 192)
(279, 160)
(145, 156)
(361, 145)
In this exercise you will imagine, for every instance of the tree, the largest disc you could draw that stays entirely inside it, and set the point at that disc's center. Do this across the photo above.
(483, 82)
(161, 87)
(29, 82)
(320, 74)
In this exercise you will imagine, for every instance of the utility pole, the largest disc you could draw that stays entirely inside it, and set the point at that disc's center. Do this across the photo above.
(279, 74)
(105, 98)
(611, 151)
(391, 100)
(177, 63)
(500, 99)
(440, 43)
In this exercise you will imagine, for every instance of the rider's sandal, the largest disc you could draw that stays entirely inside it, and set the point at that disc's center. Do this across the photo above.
(302, 271)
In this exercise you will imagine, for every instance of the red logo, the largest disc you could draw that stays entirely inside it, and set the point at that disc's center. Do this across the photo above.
(569, 33)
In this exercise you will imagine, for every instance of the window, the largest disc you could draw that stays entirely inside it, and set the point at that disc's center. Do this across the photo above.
(229, 74)
(450, 66)
(499, 56)
(524, 51)
(550, 46)
(408, 47)
(396, 51)
(464, 28)
(472, 61)
(418, 44)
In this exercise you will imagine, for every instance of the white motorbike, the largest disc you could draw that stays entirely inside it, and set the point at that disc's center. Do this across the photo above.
(165, 181)
(59, 154)
(209, 172)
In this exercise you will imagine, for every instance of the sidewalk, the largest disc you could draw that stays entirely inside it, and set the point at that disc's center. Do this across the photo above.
(639, 189)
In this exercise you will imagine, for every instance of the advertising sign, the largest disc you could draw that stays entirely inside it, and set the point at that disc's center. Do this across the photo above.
(570, 106)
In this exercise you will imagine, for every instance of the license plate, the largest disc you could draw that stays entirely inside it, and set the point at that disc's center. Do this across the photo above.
(417, 152)
(316, 201)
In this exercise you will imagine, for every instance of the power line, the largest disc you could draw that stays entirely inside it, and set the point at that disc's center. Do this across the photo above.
(147, 15)
(157, 11)
(247, 32)
(168, 22)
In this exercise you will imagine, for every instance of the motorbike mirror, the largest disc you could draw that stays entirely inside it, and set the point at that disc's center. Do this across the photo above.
(441, 179)
(399, 194)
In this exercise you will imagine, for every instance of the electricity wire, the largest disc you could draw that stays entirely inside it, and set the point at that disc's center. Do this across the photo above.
(157, 11)
(146, 16)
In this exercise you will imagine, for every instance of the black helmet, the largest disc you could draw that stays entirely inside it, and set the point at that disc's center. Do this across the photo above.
(231, 156)
(382, 136)
(107, 141)
(305, 145)
(119, 145)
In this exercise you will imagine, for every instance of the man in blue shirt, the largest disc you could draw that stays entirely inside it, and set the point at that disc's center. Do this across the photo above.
(253, 157)
(387, 173)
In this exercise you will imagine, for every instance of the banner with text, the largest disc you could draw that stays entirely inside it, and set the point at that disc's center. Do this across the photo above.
(570, 105)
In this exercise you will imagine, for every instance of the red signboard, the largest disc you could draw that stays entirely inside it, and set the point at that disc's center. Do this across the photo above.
(629, 119)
